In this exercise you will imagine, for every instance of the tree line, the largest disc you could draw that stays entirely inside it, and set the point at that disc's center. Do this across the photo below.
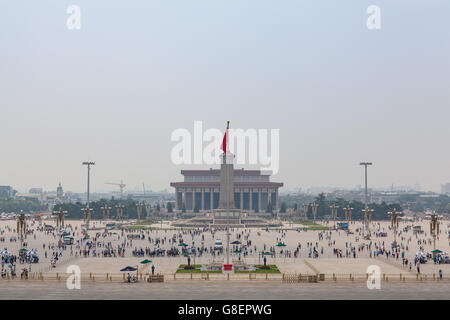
(74, 210)
(380, 210)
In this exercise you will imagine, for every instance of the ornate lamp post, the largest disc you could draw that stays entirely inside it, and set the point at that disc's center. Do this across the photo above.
(139, 210)
(60, 218)
(394, 222)
(348, 215)
(305, 210)
(434, 226)
(367, 219)
(105, 211)
(334, 210)
(314, 207)
(21, 226)
(119, 208)
(148, 209)
(87, 216)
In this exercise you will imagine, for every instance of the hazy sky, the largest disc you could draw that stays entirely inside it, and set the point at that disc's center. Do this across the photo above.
(114, 91)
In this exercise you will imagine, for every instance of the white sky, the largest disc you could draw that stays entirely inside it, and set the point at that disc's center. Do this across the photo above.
(114, 91)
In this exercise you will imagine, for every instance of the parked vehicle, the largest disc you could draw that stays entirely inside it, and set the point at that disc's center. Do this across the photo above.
(218, 244)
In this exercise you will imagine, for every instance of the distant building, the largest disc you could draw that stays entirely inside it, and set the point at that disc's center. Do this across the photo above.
(6, 192)
(36, 191)
(253, 190)
(59, 192)
(445, 188)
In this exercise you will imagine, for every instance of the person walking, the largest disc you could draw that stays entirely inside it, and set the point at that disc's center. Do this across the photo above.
(153, 269)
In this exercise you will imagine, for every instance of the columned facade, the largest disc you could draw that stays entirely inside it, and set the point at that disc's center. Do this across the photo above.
(200, 190)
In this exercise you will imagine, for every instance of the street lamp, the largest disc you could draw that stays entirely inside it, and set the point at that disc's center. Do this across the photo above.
(434, 226)
(305, 209)
(87, 216)
(367, 219)
(60, 218)
(88, 164)
(119, 208)
(139, 210)
(148, 208)
(314, 207)
(348, 215)
(394, 222)
(365, 164)
(334, 210)
(21, 226)
(105, 211)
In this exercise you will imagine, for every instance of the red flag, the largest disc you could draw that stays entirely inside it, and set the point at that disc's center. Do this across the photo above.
(224, 141)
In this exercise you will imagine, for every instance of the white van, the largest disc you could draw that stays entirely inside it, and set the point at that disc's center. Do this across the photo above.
(218, 244)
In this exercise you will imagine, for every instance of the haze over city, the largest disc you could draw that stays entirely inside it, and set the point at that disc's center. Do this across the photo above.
(114, 91)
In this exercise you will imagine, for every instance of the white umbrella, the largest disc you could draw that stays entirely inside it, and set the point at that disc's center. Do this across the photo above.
(31, 253)
(4, 252)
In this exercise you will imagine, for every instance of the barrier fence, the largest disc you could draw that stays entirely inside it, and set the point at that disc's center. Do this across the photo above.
(170, 277)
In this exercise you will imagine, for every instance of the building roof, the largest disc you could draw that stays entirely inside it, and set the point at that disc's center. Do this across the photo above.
(216, 172)
(217, 184)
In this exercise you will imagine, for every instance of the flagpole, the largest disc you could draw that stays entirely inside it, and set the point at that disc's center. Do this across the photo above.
(228, 194)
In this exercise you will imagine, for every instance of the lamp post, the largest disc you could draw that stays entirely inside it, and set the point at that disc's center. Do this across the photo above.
(105, 211)
(334, 210)
(88, 164)
(367, 220)
(365, 164)
(348, 214)
(367, 211)
(21, 226)
(305, 209)
(119, 209)
(86, 216)
(139, 210)
(60, 218)
(434, 226)
(314, 207)
(394, 222)
(148, 208)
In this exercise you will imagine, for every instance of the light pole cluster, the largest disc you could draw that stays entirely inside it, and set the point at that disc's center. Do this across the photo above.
(139, 210)
(148, 209)
(105, 211)
(367, 220)
(348, 213)
(87, 216)
(305, 210)
(334, 210)
(119, 209)
(21, 225)
(314, 207)
(434, 226)
(394, 222)
(60, 218)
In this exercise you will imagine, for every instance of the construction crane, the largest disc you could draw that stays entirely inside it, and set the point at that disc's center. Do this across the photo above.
(121, 185)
